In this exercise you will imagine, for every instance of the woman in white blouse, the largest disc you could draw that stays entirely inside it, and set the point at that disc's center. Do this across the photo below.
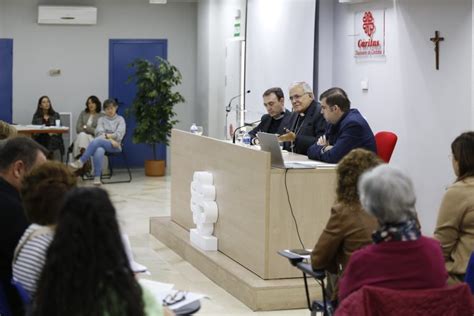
(86, 125)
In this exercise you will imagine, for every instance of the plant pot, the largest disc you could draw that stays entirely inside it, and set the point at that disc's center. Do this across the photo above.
(155, 168)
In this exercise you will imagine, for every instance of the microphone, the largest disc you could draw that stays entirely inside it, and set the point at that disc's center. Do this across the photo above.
(240, 127)
(228, 108)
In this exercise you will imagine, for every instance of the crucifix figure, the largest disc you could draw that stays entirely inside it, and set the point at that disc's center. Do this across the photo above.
(436, 41)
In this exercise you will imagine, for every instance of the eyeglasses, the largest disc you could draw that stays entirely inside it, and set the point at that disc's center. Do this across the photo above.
(174, 298)
(297, 96)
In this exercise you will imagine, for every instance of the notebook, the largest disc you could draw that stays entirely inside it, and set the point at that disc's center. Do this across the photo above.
(269, 143)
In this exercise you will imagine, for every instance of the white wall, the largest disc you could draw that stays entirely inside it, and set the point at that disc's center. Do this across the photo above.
(426, 108)
(81, 52)
(325, 47)
(2, 10)
(215, 26)
(280, 48)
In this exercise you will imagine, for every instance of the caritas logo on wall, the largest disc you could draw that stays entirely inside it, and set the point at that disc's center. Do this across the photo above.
(369, 30)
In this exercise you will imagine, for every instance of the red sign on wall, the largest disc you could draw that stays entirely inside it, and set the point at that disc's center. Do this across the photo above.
(369, 30)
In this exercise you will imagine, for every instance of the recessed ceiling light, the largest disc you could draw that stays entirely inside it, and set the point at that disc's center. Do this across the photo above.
(158, 1)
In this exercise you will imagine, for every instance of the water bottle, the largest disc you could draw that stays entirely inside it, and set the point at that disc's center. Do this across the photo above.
(193, 129)
(246, 139)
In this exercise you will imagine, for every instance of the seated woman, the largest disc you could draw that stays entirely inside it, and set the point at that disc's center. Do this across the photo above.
(42, 193)
(455, 225)
(109, 133)
(86, 125)
(349, 227)
(400, 258)
(45, 115)
(87, 271)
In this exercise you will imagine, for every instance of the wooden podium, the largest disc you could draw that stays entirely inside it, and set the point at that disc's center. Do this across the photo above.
(255, 219)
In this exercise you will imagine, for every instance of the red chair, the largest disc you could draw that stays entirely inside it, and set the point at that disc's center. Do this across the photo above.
(374, 301)
(385, 142)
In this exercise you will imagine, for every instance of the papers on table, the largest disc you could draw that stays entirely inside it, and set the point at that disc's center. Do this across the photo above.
(313, 163)
(35, 127)
(161, 290)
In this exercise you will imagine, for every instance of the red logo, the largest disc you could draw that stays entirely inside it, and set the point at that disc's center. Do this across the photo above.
(368, 24)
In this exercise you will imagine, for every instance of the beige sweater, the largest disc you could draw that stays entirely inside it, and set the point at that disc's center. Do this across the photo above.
(455, 226)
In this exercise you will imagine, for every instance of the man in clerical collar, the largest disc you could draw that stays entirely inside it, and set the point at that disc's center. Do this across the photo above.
(306, 122)
(347, 129)
(276, 119)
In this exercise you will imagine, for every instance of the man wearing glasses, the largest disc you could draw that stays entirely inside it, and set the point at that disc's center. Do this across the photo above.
(306, 123)
(276, 118)
(346, 129)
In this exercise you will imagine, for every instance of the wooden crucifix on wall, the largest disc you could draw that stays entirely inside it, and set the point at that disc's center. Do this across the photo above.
(436, 41)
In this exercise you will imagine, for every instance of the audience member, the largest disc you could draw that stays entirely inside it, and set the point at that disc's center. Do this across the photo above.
(277, 116)
(455, 226)
(306, 122)
(17, 157)
(87, 271)
(6, 131)
(109, 133)
(86, 125)
(400, 258)
(347, 129)
(349, 227)
(45, 115)
(42, 192)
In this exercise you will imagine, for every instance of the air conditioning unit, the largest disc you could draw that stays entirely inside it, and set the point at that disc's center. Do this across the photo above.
(79, 15)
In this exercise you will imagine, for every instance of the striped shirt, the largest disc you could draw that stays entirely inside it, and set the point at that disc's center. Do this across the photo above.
(31, 257)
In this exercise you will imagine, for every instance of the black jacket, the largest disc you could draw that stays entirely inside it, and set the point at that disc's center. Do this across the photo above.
(13, 224)
(312, 127)
(265, 122)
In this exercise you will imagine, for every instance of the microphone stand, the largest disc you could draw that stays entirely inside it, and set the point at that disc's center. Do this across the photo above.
(240, 127)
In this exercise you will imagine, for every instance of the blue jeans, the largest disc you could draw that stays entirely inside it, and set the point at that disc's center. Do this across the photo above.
(96, 150)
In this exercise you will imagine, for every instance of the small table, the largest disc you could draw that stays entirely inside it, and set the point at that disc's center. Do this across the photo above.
(28, 130)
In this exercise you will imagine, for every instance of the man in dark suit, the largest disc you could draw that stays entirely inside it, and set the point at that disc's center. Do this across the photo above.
(276, 119)
(306, 122)
(17, 157)
(347, 129)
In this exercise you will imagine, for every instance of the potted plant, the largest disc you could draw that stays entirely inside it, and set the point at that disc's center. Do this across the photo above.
(153, 106)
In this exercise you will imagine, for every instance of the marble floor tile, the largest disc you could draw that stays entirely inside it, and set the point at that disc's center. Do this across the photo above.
(147, 197)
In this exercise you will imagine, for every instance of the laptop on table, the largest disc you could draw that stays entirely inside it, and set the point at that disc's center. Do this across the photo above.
(269, 143)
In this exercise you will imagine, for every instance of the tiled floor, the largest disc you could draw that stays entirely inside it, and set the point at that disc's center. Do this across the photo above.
(146, 197)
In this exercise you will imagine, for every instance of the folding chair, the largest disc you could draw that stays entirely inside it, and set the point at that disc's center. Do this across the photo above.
(319, 275)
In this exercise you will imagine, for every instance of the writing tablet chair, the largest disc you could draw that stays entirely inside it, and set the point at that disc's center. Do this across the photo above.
(385, 142)
(469, 277)
(315, 307)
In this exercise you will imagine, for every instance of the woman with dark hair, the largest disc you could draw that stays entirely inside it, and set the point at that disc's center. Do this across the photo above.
(108, 138)
(42, 193)
(45, 115)
(86, 125)
(87, 271)
(455, 225)
(349, 227)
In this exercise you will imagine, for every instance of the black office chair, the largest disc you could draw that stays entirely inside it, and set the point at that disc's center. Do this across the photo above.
(319, 275)
(110, 175)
